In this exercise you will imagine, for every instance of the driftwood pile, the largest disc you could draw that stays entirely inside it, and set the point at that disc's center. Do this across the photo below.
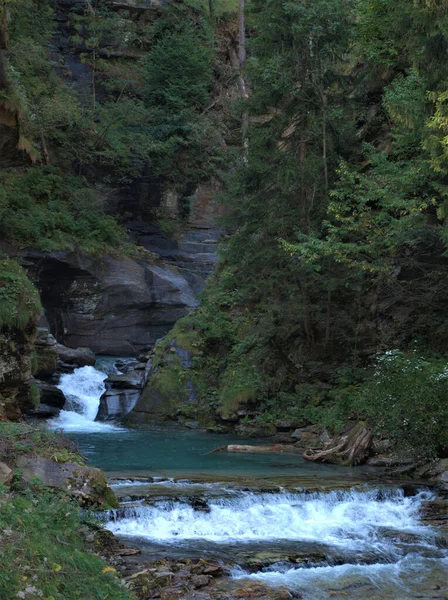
(353, 448)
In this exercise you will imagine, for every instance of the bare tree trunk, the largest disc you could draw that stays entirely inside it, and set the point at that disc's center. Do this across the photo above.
(324, 144)
(307, 320)
(242, 62)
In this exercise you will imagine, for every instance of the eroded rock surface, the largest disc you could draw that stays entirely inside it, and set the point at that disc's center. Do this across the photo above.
(86, 483)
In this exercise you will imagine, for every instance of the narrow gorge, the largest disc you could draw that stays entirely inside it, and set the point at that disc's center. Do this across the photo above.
(223, 299)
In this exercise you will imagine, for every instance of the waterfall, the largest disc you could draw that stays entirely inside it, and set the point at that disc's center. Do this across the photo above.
(83, 389)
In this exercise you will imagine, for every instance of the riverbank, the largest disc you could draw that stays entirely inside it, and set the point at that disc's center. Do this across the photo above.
(48, 497)
(260, 532)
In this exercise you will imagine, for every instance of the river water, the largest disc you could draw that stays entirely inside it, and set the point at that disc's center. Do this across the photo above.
(320, 531)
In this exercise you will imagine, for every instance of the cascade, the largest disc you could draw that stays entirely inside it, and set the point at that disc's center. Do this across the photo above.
(371, 539)
(83, 389)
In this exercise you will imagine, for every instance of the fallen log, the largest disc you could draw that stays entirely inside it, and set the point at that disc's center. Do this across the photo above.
(248, 448)
(350, 449)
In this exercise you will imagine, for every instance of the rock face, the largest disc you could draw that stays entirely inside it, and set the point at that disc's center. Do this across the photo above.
(122, 393)
(6, 474)
(46, 351)
(16, 355)
(52, 400)
(115, 306)
(168, 386)
(86, 483)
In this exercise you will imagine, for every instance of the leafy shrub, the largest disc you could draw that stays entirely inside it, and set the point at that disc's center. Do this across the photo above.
(19, 299)
(406, 400)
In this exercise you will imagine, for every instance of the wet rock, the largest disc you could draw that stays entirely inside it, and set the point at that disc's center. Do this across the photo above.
(172, 594)
(88, 484)
(50, 395)
(200, 580)
(81, 357)
(46, 353)
(43, 411)
(115, 404)
(255, 431)
(130, 380)
(258, 591)
(6, 474)
(194, 595)
(126, 364)
(435, 513)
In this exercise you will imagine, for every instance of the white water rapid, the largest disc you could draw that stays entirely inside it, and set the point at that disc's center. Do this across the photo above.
(83, 389)
(372, 540)
(350, 519)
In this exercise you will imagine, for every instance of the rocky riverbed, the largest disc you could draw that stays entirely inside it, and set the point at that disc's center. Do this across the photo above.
(201, 540)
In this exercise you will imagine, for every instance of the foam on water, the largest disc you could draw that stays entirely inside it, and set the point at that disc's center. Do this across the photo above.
(399, 580)
(349, 519)
(83, 389)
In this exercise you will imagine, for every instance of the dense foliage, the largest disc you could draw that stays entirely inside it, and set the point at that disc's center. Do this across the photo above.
(19, 300)
(47, 209)
(339, 213)
(337, 202)
(139, 108)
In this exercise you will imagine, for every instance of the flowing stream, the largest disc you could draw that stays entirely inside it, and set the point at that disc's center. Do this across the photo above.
(319, 531)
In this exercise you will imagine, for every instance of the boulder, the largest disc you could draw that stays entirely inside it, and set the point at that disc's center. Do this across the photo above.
(134, 380)
(286, 424)
(45, 348)
(6, 474)
(82, 357)
(116, 403)
(50, 394)
(88, 484)
(43, 411)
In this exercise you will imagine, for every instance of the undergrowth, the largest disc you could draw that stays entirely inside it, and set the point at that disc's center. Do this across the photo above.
(19, 299)
(50, 210)
(36, 440)
(43, 553)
